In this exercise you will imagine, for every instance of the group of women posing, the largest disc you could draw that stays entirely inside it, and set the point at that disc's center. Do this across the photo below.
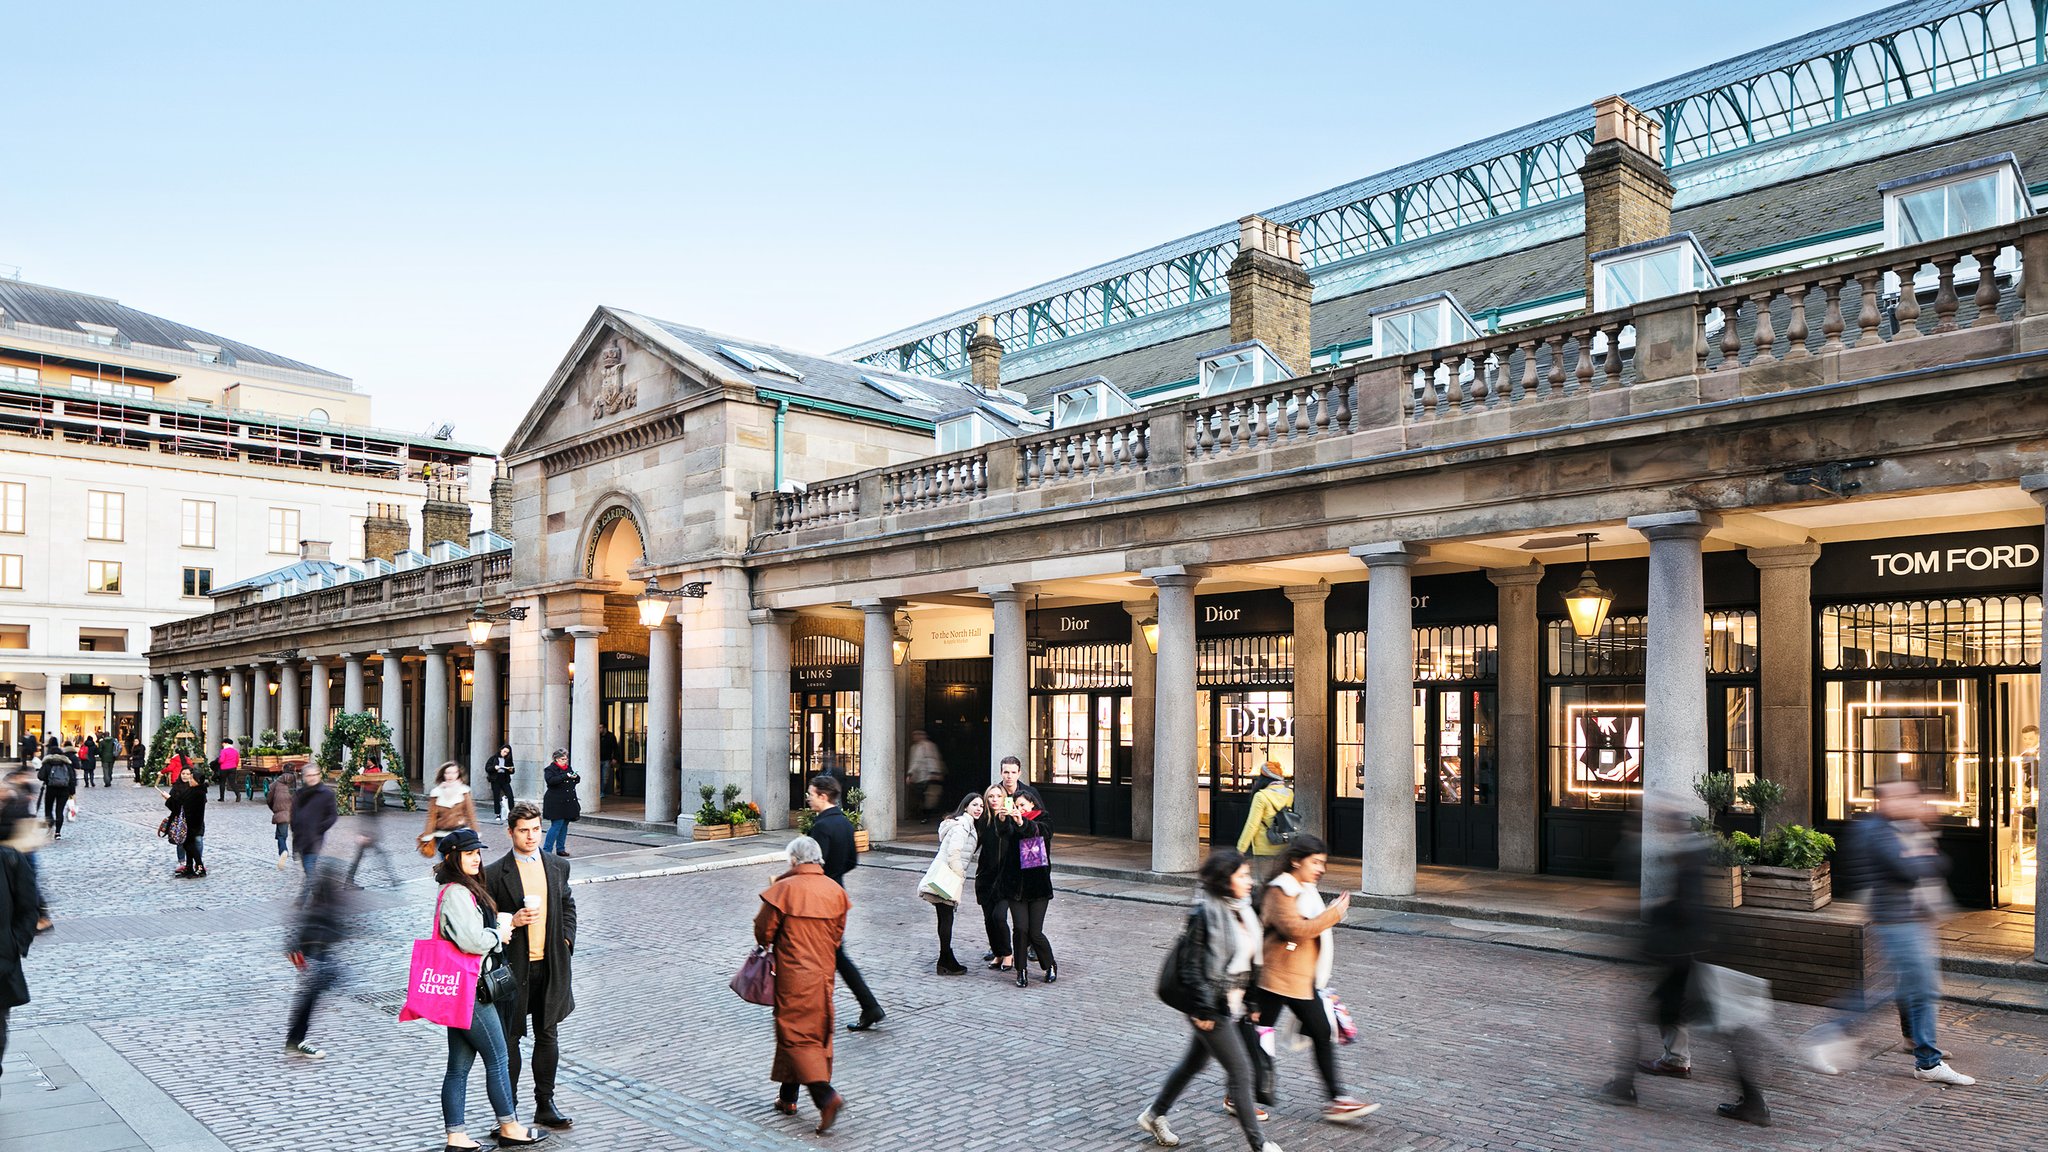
(1004, 841)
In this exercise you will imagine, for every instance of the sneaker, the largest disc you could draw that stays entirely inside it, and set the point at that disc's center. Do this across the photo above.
(1346, 1108)
(304, 1049)
(1943, 1074)
(1156, 1127)
(282, 859)
(1269, 1146)
(1749, 1110)
(1230, 1108)
(1822, 1058)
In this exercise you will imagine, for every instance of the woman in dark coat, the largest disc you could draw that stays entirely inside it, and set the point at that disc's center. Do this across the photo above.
(19, 904)
(1028, 885)
(995, 867)
(188, 797)
(559, 805)
(802, 919)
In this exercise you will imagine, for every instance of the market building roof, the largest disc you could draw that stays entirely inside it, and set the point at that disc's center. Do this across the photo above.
(84, 314)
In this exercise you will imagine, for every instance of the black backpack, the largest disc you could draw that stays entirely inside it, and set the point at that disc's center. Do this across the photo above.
(1284, 826)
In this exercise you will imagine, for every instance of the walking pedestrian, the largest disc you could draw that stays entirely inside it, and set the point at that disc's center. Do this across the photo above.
(1297, 960)
(1029, 888)
(88, 759)
(320, 927)
(18, 831)
(957, 841)
(449, 806)
(314, 811)
(1222, 937)
(467, 917)
(995, 868)
(542, 942)
(834, 835)
(1894, 852)
(559, 804)
(188, 799)
(803, 920)
(1272, 802)
(109, 752)
(138, 759)
(19, 911)
(926, 772)
(278, 796)
(59, 775)
(228, 770)
(609, 777)
(498, 772)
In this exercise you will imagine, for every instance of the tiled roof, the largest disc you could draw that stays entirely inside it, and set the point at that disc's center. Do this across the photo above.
(65, 310)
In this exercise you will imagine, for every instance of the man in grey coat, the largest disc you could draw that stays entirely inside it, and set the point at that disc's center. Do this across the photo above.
(534, 885)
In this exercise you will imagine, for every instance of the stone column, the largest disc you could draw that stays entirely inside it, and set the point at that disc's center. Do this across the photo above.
(351, 682)
(555, 688)
(53, 707)
(391, 702)
(1519, 803)
(1176, 813)
(174, 695)
(880, 776)
(1009, 697)
(194, 691)
(236, 689)
(435, 742)
(1311, 707)
(289, 717)
(771, 715)
(2037, 487)
(586, 750)
(216, 712)
(259, 700)
(484, 703)
(1387, 863)
(1784, 731)
(318, 709)
(152, 707)
(1144, 702)
(664, 704)
(1674, 690)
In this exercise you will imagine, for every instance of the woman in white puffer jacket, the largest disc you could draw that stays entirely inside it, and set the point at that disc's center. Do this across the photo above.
(945, 879)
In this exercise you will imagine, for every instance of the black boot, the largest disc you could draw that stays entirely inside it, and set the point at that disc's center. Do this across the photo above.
(1750, 1109)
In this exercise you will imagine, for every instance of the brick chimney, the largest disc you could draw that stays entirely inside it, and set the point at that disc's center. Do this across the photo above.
(1270, 291)
(386, 532)
(501, 502)
(446, 515)
(985, 356)
(1627, 194)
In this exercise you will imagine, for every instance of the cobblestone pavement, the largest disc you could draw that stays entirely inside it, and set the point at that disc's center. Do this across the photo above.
(1467, 1044)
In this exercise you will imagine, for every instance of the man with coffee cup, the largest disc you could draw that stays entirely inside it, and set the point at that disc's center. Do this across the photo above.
(543, 939)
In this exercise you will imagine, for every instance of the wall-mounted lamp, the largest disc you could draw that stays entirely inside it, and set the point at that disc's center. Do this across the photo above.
(469, 675)
(899, 648)
(480, 622)
(226, 689)
(1150, 627)
(273, 687)
(1588, 602)
(654, 599)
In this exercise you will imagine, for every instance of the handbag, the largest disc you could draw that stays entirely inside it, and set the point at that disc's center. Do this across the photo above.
(1186, 955)
(495, 985)
(177, 831)
(428, 844)
(441, 987)
(1031, 853)
(942, 882)
(1341, 1025)
(755, 981)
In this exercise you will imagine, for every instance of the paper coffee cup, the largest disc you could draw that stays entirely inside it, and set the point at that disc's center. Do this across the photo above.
(533, 901)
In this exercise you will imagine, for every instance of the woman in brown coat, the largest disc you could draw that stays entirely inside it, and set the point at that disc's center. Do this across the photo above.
(449, 806)
(1297, 961)
(802, 918)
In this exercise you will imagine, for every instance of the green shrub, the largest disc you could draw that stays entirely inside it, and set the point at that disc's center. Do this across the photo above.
(1795, 846)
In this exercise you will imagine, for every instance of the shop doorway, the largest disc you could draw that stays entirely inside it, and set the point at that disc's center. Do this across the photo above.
(1238, 731)
(625, 730)
(2015, 763)
(1457, 774)
(824, 713)
(1082, 742)
(956, 717)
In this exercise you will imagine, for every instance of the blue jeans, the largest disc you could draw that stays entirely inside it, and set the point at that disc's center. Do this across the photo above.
(284, 832)
(1908, 950)
(484, 1037)
(557, 839)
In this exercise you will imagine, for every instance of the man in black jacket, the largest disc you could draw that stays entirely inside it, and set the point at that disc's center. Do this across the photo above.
(834, 834)
(18, 903)
(314, 811)
(321, 926)
(534, 886)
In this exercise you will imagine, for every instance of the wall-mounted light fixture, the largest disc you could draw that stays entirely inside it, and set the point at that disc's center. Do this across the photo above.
(1150, 627)
(273, 687)
(1588, 602)
(899, 647)
(654, 599)
(481, 619)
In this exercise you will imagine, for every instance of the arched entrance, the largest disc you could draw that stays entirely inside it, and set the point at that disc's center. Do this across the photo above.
(616, 546)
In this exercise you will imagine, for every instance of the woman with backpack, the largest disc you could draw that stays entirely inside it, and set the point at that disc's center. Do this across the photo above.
(1272, 820)
(59, 775)
(1298, 957)
(1208, 973)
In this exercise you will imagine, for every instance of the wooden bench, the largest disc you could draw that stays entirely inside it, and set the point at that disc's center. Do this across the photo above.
(1809, 957)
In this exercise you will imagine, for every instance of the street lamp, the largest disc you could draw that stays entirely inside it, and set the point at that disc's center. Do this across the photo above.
(654, 599)
(899, 645)
(1588, 602)
(1150, 627)
(480, 621)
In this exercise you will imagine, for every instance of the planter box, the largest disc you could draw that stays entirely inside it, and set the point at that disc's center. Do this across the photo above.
(1723, 887)
(711, 832)
(266, 763)
(1793, 889)
(860, 840)
(750, 828)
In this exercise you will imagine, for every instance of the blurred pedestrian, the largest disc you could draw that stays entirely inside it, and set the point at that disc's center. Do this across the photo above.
(19, 831)
(314, 811)
(109, 751)
(610, 778)
(1298, 959)
(995, 866)
(187, 799)
(834, 836)
(926, 772)
(559, 804)
(498, 772)
(803, 920)
(1895, 854)
(1216, 965)
(59, 775)
(543, 940)
(955, 858)
(449, 806)
(319, 928)
(1271, 821)
(19, 904)
(88, 757)
(1029, 885)
(278, 796)
(467, 917)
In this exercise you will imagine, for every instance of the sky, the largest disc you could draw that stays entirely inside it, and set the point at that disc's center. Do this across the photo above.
(433, 198)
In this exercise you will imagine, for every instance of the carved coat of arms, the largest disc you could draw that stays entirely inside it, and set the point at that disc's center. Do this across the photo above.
(614, 395)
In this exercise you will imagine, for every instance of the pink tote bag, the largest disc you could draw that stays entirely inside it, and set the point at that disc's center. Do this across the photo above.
(442, 987)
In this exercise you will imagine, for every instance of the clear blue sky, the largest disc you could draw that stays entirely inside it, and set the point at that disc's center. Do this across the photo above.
(432, 197)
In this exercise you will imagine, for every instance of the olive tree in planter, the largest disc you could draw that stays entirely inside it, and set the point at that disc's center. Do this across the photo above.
(849, 804)
(1791, 870)
(1722, 884)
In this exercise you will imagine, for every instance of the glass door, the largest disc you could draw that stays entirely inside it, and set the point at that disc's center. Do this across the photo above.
(824, 739)
(2015, 765)
(1242, 730)
(1109, 777)
(1456, 774)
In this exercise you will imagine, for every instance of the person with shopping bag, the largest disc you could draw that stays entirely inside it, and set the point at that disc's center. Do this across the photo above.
(466, 917)
(946, 877)
(801, 922)
(1299, 956)
(1028, 887)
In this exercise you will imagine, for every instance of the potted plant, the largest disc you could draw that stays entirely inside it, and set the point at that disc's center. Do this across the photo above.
(1726, 857)
(850, 804)
(1791, 870)
(711, 817)
(269, 751)
(294, 743)
(745, 818)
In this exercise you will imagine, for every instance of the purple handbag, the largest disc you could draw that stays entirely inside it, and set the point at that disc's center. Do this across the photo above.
(755, 981)
(1031, 853)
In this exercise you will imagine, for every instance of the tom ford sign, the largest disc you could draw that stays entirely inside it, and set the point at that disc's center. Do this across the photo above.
(1998, 561)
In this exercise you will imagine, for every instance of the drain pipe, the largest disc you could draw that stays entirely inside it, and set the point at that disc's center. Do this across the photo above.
(781, 412)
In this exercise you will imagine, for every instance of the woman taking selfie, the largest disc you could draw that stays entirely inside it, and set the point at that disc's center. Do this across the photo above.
(958, 837)
(468, 918)
(1030, 889)
(995, 863)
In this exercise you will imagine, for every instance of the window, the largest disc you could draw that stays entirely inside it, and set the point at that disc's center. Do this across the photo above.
(106, 514)
(13, 507)
(1246, 365)
(14, 374)
(103, 577)
(284, 530)
(899, 391)
(317, 416)
(198, 581)
(959, 432)
(1951, 201)
(10, 572)
(1649, 271)
(99, 333)
(1094, 398)
(102, 639)
(13, 637)
(1420, 324)
(197, 530)
(115, 388)
(758, 361)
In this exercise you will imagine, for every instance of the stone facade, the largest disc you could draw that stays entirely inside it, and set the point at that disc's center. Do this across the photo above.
(445, 516)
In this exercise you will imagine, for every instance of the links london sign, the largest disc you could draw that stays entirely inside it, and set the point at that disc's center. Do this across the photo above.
(2006, 560)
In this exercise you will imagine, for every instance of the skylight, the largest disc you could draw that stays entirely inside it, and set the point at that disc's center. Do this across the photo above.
(899, 391)
(754, 361)
(1420, 324)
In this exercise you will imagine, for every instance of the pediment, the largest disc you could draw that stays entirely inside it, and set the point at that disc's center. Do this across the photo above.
(614, 377)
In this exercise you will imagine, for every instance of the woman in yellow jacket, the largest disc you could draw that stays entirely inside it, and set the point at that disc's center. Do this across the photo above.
(1274, 796)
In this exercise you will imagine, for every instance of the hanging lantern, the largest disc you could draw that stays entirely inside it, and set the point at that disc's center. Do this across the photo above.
(1588, 602)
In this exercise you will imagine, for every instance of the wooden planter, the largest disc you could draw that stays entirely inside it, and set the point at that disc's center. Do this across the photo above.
(265, 763)
(750, 828)
(860, 839)
(1793, 889)
(710, 831)
(1723, 887)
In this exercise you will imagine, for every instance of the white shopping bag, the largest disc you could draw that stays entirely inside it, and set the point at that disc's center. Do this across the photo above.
(1731, 1000)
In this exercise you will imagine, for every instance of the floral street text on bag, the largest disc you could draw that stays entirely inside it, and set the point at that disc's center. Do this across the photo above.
(1031, 853)
(441, 988)
(755, 981)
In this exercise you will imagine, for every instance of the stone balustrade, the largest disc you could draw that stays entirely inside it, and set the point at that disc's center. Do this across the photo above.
(1100, 448)
(936, 480)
